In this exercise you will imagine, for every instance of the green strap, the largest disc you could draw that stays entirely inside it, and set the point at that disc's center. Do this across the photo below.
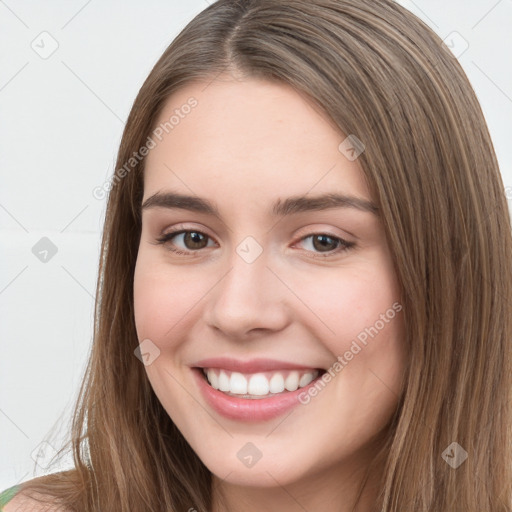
(8, 495)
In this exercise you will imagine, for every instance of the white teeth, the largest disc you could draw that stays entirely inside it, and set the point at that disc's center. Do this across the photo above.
(238, 384)
(305, 379)
(292, 381)
(277, 383)
(223, 381)
(258, 384)
(213, 379)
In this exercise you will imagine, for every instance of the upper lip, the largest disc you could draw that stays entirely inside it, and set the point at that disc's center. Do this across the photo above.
(250, 366)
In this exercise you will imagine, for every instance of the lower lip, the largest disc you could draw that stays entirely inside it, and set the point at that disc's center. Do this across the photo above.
(250, 410)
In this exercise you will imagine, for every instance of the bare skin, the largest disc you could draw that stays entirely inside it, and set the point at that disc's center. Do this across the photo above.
(245, 145)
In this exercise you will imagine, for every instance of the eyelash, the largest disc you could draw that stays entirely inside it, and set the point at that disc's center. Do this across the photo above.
(342, 246)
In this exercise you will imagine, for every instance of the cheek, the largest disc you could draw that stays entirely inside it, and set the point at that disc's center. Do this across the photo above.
(362, 326)
(164, 299)
(351, 303)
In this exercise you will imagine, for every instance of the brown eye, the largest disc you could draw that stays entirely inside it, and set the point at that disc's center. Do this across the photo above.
(327, 245)
(191, 240)
(195, 240)
(325, 242)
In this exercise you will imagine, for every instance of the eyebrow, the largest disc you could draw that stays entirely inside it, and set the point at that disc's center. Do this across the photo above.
(281, 208)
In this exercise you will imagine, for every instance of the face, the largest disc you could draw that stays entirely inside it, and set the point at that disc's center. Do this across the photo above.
(264, 286)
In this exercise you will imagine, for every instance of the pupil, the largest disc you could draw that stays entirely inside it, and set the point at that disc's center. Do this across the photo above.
(196, 237)
(322, 239)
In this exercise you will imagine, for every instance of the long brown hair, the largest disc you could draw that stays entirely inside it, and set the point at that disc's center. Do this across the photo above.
(378, 72)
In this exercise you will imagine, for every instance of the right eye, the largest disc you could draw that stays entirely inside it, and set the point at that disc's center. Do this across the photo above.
(191, 237)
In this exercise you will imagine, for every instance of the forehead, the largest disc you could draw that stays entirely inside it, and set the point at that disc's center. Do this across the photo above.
(250, 139)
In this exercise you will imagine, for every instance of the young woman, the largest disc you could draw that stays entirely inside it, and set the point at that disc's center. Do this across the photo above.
(305, 282)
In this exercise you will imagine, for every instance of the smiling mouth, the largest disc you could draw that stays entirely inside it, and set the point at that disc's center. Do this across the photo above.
(259, 385)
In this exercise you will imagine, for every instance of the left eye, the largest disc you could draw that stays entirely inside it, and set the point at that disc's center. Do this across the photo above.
(323, 240)
(195, 241)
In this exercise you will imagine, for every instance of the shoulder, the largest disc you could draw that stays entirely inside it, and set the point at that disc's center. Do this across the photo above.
(15, 500)
(7, 496)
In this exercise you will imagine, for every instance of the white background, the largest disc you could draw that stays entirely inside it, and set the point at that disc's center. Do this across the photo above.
(61, 120)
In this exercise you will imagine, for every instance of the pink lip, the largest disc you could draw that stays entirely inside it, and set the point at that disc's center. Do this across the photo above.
(248, 410)
(251, 366)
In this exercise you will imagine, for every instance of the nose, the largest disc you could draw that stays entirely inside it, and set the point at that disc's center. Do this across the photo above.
(249, 299)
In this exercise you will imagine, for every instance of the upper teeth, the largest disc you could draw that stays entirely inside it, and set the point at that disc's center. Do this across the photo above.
(258, 384)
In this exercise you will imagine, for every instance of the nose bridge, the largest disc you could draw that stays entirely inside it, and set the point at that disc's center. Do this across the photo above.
(249, 295)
